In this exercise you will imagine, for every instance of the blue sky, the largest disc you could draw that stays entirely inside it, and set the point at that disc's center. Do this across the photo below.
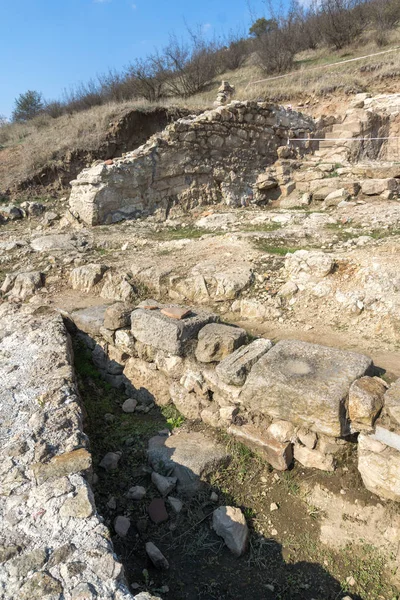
(50, 45)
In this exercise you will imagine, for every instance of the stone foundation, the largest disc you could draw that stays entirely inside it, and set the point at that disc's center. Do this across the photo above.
(288, 401)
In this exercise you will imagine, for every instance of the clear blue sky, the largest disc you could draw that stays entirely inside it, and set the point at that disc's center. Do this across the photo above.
(49, 45)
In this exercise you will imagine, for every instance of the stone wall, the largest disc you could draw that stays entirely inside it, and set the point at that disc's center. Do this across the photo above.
(53, 542)
(288, 401)
(211, 158)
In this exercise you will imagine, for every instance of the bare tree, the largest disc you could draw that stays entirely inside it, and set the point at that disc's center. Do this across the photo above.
(342, 21)
(385, 16)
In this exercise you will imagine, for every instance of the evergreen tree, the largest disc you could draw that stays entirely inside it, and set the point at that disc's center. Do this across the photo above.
(27, 106)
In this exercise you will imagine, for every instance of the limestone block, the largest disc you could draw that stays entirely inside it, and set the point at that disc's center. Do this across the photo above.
(278, 454)
(23, 285)
(283, 431)
(117, 316)
(375, 187)
(230, 524)
(188, 456)
(188, 403)
(313, 459)
(309, 382)
(365, 402)
(379, 466)
(90, 319)
(234, 369)
(145, 376)
(86, 277)
(392, 401)
(153, 328)
(216, 342)
(304, 265)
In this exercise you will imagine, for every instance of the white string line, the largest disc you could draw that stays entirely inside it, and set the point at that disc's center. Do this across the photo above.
(305, 71)
(342, 139)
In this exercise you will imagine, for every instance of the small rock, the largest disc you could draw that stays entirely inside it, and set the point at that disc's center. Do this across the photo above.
(156, 556)
(175, 312)
(165, 485)
(157, 511)
(112, 503)
(230, 524)
(175, 504)
(129, 405)
(110, 461)
(121, 526)
(273, 506)
(307, 438)
(350, 580)
(214, 497)
(136, 492)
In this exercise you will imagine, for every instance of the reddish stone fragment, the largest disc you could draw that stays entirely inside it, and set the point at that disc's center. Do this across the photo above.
(157, 511)
(109, 162)
(175, 312)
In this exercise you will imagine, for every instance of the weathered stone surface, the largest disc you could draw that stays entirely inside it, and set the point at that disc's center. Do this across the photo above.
(165, 485)
(110, 461)
(137, 492)
(365, 402)
(175, 504)
(117, 288)
(374, 187)
(216, 342)
(163, 333)
(313, 459)
(129, 405)
(306, 381)
(146, 378)
(334, 198)
(62, 241)
(22, 285)
(278, 454)
(10, 212)
(392, 401)
(188, 456)
(188, 403)
(86, 277)
(47, 513)
(379, 466)
(304, 265)
(307, 438)
(234, 369)
(283, 431)
(156, 556)
(90, 319)
(117, 316)
(121, 526)
(230, 524)
(63, 464)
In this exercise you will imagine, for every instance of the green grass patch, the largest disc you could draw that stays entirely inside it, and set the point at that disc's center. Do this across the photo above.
(267, 247)
(183, 233)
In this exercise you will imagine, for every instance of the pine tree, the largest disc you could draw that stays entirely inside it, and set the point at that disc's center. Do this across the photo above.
(27, 106)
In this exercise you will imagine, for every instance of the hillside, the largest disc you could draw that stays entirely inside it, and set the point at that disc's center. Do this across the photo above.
(43, 155)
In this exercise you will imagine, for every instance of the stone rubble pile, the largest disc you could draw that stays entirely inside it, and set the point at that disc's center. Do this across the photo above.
(291, 400)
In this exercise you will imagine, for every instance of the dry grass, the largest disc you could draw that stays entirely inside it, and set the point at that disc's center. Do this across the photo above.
(46, 141)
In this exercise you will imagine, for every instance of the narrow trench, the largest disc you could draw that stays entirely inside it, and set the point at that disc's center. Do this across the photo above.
(289, 565)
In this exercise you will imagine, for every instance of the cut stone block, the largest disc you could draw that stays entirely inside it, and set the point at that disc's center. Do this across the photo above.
(86, 277)
(392, 401)
(89, 319)
(117, 316)
(186, 456)
(279, 455)
(188, 403)
(379, 466)
(234, 369)
(163, 333)
(149, 380)
(365, 402)
(230, 524)
(217, 341)
(313, 459)
(374, 187)
(307, 382)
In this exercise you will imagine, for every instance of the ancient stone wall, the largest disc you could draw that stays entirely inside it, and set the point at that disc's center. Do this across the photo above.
(53, 542)
(211, 158)
(291, 400)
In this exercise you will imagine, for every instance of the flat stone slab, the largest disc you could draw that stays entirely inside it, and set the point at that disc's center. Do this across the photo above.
(89, 320)
(278, 454)
(379, 466)
(62, 241)
(234, 369)
(186, 456)
(306, 383)
(217, 341)
(164, 333)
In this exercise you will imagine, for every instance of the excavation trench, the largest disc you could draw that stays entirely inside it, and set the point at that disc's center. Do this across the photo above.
(285, 559)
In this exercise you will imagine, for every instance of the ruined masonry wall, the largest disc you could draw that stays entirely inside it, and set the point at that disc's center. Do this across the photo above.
(288, 401)
(210, 158)
(48, 518)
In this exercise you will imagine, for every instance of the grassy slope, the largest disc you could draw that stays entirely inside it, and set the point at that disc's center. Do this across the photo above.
(27, 148)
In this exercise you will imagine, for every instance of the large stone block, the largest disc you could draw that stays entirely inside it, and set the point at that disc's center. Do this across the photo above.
(146, 378)
(89, 319)
(187, 456)
(305, 383)
(365, 402)
(217, 341)
(164, 333)
(379, 466)
(278, 454)
(234, 369)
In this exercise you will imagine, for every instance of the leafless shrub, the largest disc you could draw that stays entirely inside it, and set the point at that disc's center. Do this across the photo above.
(385, 16)
(342, 21)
